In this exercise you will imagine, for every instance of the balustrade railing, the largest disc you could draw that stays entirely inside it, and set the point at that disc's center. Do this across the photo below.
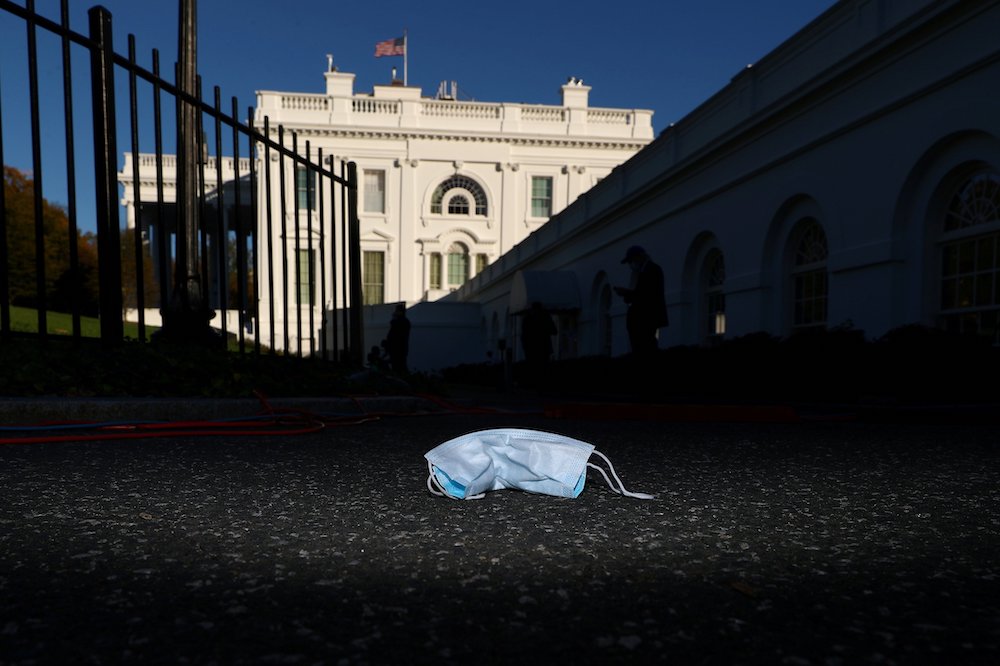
(392, 112)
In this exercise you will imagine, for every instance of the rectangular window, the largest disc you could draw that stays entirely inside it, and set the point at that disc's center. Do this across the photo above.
(720, 323)
(716, 314)
(458, 268)
(305, 271)
(435, 271)
(373, 278)
(374, 191)
(305, 188)
(481, 262)
(810, 299)
(541, 196)
(970, 278)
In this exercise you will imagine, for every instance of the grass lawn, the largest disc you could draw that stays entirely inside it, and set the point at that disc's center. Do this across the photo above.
(62, 365)
(25, 320)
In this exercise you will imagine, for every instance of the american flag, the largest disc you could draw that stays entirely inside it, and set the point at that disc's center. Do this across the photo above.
(391, 47)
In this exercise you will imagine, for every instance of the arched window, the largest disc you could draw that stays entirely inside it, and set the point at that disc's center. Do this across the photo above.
(715, 296)
(970, 257)
(458, 265)
(458, 205)
(470, 187)
(809, 276)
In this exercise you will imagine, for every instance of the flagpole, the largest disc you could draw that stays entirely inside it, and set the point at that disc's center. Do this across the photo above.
(406, 53)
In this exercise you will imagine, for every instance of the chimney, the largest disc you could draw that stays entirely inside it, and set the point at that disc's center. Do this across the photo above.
(339, 84)
(574, 94)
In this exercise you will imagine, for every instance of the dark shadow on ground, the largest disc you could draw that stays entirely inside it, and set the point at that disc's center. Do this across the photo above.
(910, 365)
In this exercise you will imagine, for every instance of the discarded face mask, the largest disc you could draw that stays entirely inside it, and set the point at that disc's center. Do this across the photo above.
(530, 460)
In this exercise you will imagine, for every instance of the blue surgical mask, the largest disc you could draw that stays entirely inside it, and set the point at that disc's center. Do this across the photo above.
(530, 460)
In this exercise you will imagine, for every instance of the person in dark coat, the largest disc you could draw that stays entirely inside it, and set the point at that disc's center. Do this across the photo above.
(536, 335)
(375, 358)
(647, 307)
(537, 330)
(397, 342)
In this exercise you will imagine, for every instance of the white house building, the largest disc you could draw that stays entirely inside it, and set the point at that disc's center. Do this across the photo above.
(448, 186)
(851, 177)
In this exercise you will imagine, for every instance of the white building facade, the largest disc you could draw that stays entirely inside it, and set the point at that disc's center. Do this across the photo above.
(446, 186)
(449, 186)
(850, 178)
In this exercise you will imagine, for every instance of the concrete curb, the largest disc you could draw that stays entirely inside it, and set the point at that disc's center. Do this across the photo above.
(22, 411)
(33, 411)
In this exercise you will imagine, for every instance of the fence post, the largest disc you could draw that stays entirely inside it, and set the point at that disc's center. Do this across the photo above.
(186, 318)
(106, 176)
(355, 352)
(4, 260)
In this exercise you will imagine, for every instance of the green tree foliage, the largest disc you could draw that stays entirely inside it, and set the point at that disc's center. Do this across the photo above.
(130, 274)
(248, 293)
(63, 287)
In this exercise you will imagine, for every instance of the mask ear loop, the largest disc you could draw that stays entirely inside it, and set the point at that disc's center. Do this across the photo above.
(621, 486)
(432, 482)
(437, 489)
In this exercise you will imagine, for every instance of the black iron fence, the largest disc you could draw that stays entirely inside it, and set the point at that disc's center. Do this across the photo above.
(277, 240)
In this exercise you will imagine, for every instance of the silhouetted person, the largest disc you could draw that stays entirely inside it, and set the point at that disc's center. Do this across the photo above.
(397, 342)
(647, 307)
(536, 339)
(376, 361)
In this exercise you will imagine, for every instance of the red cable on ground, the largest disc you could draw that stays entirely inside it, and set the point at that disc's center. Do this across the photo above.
(285, 422)
(292, 422)
(153, 435)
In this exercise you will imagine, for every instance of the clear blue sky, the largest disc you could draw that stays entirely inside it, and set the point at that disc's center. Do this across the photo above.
(665, 55)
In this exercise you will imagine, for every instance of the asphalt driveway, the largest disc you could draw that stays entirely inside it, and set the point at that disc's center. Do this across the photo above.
(820, 542)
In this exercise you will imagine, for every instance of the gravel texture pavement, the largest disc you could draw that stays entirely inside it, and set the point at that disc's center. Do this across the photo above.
(817, 542)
